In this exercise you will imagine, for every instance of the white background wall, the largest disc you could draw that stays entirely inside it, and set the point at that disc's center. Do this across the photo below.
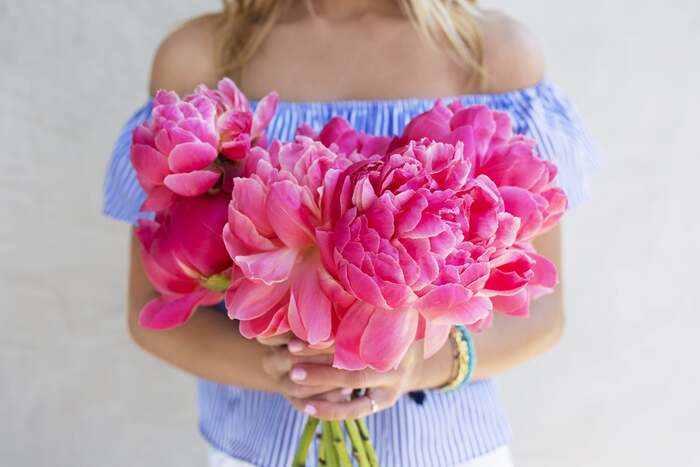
(621, 390)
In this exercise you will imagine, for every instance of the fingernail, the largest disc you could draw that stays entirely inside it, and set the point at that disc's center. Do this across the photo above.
(346, 391)
(295, 346)
(298, 374)
(310, 410)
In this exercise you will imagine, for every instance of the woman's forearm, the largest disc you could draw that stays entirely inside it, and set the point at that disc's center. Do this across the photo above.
(512, 341)
(508, 343)
(209, 346)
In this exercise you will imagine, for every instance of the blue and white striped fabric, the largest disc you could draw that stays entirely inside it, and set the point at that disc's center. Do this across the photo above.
(448, 428)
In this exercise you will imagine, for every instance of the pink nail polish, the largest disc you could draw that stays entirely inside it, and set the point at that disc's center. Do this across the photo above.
(310, 410)
(298, 374)
(295, 346)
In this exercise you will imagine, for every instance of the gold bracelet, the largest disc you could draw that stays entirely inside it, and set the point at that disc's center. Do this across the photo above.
(461, 361)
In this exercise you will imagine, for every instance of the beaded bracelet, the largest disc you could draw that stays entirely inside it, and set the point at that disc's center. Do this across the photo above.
(465, 358)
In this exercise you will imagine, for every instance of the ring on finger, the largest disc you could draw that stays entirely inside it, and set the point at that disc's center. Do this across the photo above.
(373, 404)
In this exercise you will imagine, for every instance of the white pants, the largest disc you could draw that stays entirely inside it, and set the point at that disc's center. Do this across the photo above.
(499, 457)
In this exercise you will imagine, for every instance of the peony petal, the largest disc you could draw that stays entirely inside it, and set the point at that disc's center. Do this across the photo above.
(441, 299)
(191, 156)
(150, 165)
(196, 224)
(430, 225)
(159, 198)
(524, 205)
(193, 183)
(249, 197)
(516, 165)
(481, 324)
(288, 215)
(513, 305)
(164, 280)
(269, 267)
(473, 311)
(309, 308)
(435, 336)
(264, 112)
(250, 299)
(349, 335)
(167, 312)
(333, 290)
(236, 148)
(236, 99)
(433, 124)
(246, 235)
(272, 323)
(545, 277)
(557, 202)
(388, 336)
(363, 286)
(511, 273)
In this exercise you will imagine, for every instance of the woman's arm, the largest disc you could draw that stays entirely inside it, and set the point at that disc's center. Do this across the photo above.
(511, 341)
(208, 345)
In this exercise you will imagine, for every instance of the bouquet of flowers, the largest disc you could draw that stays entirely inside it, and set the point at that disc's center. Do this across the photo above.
(365, 242)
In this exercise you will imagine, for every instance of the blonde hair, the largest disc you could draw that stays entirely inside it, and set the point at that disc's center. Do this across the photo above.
(443, 23)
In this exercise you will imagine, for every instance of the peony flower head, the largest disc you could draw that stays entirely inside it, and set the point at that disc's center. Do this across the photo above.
(185, 259)
(270, 236)
(177, 151)
(398, 244)
(343, 139)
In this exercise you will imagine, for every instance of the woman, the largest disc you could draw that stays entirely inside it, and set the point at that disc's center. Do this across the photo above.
(377, 63)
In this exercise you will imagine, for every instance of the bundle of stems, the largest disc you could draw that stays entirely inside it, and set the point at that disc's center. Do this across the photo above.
(332, 449)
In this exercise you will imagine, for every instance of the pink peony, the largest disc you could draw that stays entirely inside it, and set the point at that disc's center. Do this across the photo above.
(410, 237)
(542, 279)
(476, 125)
(185, 259)
(270, 236)
(527, 185)
(342, 138)
(239, 127)
(177, 151)
(526, 181)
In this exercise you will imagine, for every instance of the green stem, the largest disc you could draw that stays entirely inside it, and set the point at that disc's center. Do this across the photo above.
(340, 447)
(358, 448)
(367, 442)
(327, 440)
(321, 450)
(305, 442)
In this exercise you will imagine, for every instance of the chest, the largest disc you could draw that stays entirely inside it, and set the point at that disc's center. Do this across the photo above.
(375, 59)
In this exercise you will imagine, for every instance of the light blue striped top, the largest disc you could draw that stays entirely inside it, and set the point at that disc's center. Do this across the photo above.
(447, 428)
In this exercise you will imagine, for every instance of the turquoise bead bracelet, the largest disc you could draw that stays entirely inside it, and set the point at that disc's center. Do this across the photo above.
(465, 359)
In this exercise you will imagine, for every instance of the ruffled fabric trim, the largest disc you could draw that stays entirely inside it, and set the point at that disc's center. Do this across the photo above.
(542, 112)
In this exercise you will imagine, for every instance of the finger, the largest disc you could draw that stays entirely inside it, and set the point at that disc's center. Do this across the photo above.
(337, 395)
(355, 408)
(325, 375)
(275, 341)
(299, 347)
(290, 389)
(279, 361)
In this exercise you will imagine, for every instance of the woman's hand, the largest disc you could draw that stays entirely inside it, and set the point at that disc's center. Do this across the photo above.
(279, 361)
(383, 389)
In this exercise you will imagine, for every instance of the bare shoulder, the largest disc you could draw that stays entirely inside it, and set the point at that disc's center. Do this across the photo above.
(513, 57)
(186, 57)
